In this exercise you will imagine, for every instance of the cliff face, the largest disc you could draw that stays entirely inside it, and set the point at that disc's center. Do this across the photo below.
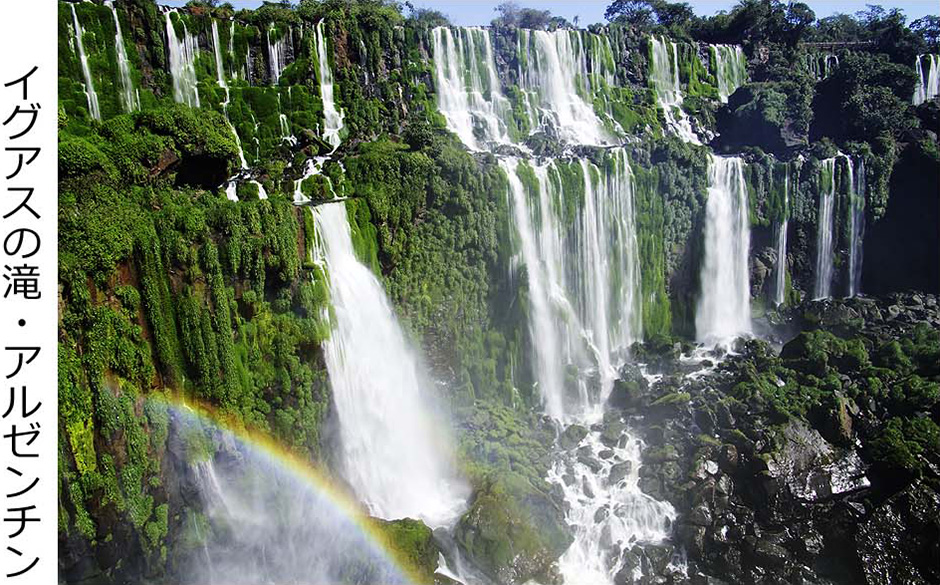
(169, 289)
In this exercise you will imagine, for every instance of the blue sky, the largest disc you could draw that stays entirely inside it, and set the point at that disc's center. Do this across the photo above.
(478, 12)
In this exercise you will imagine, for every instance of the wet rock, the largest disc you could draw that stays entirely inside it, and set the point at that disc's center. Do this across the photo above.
(572, 436)
(593, 464)
(619, 471)
(601, 514)
(606, 454)
(610, 435)
(700, 516)
(586, 488)
(812, 469)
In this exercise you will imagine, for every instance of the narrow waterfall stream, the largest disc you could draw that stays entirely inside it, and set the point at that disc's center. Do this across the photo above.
(182, 63)
(394, 455)
(130, 101)
(857, 229)
(724, 308)
(824, 220)
(780, 274)
(332, 117)
(277, 56)
(93, 108)
(928, 83)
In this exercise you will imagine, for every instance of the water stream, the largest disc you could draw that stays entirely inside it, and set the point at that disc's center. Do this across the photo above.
(130, 100)
(93, 108)
(724, 307)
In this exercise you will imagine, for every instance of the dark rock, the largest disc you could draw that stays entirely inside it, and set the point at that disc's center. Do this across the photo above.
(619, 471)
(572, 436)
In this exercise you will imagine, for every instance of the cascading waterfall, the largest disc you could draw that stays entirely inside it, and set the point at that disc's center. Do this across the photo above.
(471, 103)
(542, 254)
(332, 117)
(129, 98)
(182, 63)
(607, 510)
(277, 56)
(824, 250)
(822, 65)
(585, 313)
(730, 69)
(928, 87)
(263, 514)
(724, 307)
(219, 71)
(664, 75)
(856, 229)
(393, 453)
(93, 108)
(552, 66)
(780, 279)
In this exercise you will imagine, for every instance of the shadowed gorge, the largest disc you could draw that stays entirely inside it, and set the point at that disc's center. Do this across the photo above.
(349, 294)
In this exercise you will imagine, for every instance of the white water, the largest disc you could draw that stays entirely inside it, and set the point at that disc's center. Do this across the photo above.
(824, 251)
(217, 52)
(780, 280)
(332, 117)
(556, 63)
(93, 108)
(182, 64)
(857, 229)
(730, 69)
(928, 86)
(129, 98)
(277, 56)
(822, 65)
(724, 307)
(262, 522)
(583, 281)
(604, 513)
(470, 103)
(394, 454)
(664, 74)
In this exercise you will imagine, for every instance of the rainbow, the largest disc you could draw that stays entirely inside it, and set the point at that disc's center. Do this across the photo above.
(304, 471)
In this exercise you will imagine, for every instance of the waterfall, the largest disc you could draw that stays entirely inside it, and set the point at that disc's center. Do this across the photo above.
(471, 103)
(277, 56)
(822, 65)
(780, 280)
(219, 71)
(332, 117)
(928, 87)
(260, 516)
(724, 307)
(730, 69)
(393, 453)
(664, 76)
(824, 251)
(607, 509)
(553, 67)
(182, 63)
(583, 313)
(231, 44)
(129, 97)
(856, 229)
(86, 71)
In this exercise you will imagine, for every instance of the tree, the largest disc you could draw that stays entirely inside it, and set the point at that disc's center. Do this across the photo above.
(928, 27)
(638, 13)
(511, 14)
